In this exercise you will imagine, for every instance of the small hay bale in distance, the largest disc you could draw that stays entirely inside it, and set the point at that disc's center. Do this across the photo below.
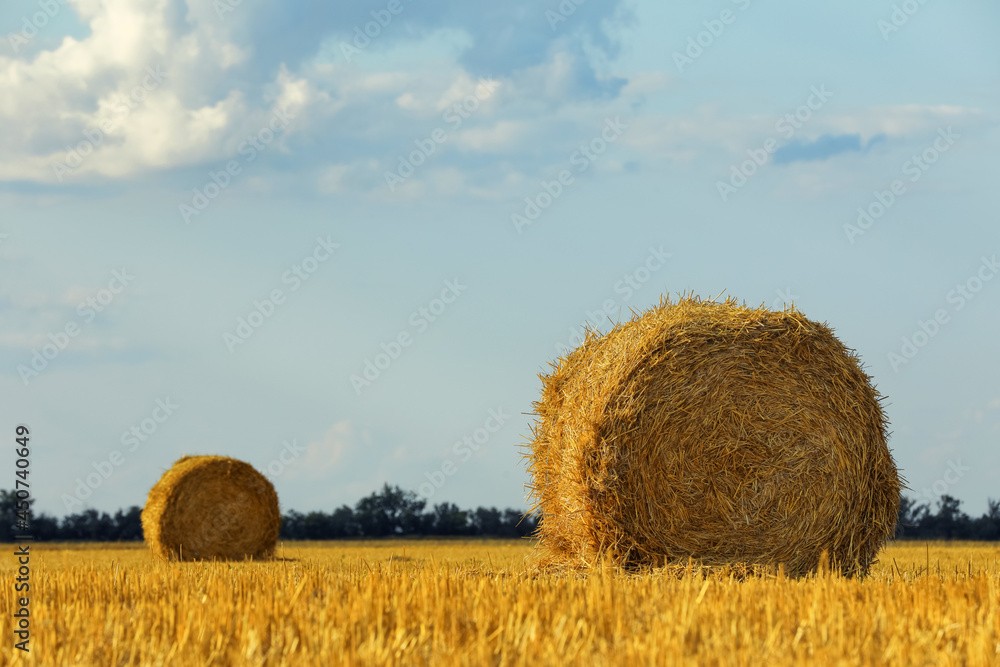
(211, 507)
(717, 432)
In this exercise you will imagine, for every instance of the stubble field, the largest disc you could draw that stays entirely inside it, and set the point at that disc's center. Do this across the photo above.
(480, 603)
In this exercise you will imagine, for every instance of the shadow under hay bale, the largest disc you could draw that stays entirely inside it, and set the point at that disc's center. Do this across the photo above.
(717, 432)
(211, 507)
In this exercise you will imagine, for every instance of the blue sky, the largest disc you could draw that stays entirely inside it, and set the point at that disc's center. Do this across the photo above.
(445, 203)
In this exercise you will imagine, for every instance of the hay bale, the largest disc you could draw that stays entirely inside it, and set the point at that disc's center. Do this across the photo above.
(714, 431)
(211, 507)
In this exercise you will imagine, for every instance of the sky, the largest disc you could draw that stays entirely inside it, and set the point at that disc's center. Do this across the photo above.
(341, 242)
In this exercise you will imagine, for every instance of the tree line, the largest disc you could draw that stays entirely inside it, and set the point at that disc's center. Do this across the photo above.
(916, 521)
(392, 511)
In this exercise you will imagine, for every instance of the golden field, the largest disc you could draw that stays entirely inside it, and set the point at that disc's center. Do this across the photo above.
(478, 602)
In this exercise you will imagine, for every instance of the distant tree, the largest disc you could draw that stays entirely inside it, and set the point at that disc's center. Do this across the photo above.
(987, 527)
(372, 520)
(392, 511)
(8, 514)
(128, 524)
(388, 512)
(39, 526)
(316, 526)
(44, 528)
(909, 518)
(450, 520)
(343, 523)
(291, 526)
(487, 521)
(950, 522)
(521, 524)
(89, 525)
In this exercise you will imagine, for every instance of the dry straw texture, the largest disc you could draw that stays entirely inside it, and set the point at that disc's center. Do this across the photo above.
(712, 431)
(448, 603)
(211, 507)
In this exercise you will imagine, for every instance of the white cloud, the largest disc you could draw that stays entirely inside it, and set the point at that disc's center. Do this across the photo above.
(322, 455)
(899, 120)
(463, 87)
(644, 83)
(451, 182)
(134, 95)
(331, 180)
(89, 110)
(200, 112)
(684, 138)
(503, 136)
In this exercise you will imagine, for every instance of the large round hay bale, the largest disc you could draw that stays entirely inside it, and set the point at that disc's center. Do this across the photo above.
(716, 432)
(211, 507)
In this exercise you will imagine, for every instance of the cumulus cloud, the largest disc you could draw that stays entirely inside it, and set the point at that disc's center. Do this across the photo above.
(501, 38)
(140, 92)
(159, 84)
(903, 120)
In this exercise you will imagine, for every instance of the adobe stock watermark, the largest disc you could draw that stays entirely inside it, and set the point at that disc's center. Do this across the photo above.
(714, 28)
(264, 309)
(86, 311)
(582, 158)
(224, 7)
(363, 35)
(223, 520)
(419, 321)
(915, 167)
(31, 25)
(899, 16)
(952, 476)
(94, 136)
(958, 297)
(454, 116)
(136, 435)
(463, 450)
(290, 453)
(562, 12)
(786, 127)
(783, 299)
(629, 284)
(249, 149)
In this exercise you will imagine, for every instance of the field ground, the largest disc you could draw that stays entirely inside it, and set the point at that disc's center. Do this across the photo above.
(476, 602)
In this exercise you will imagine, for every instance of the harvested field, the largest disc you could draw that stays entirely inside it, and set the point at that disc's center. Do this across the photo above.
(477, 603)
